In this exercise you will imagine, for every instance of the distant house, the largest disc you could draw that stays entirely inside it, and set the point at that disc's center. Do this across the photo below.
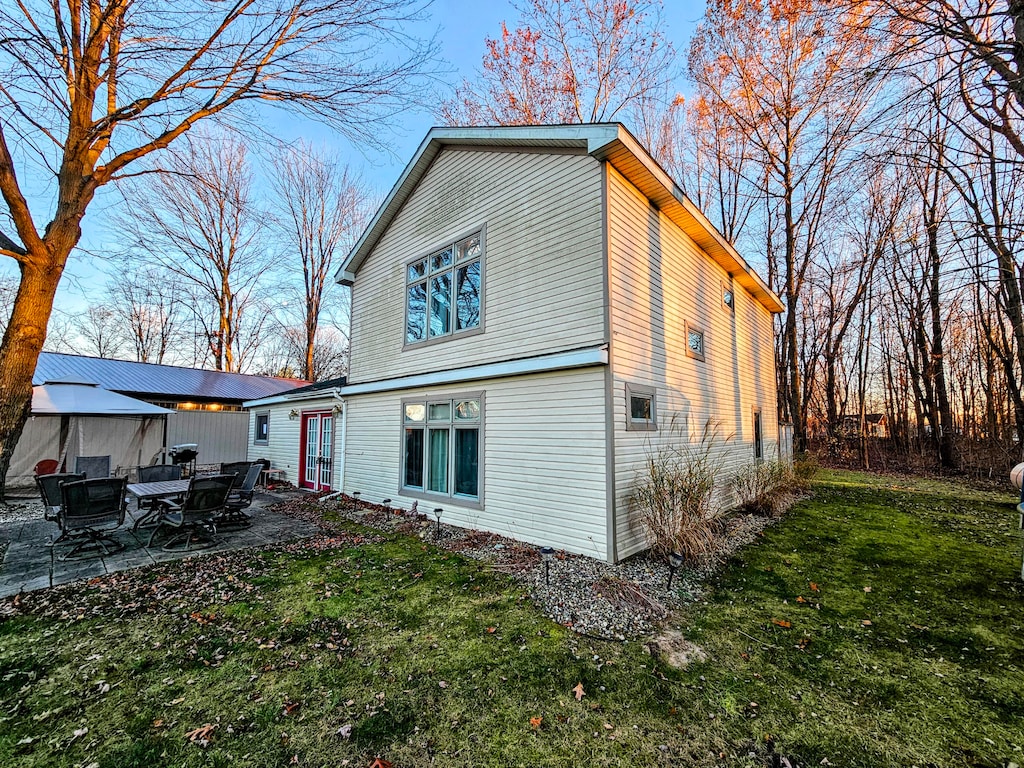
(207, 409)
(875, 424)
(534, 310)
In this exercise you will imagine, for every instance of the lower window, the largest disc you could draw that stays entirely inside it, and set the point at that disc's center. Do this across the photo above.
(441, 446)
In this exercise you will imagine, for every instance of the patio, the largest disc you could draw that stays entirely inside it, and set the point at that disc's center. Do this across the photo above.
(29, 563)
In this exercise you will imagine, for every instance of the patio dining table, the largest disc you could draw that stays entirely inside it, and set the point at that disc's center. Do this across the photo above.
(163, 489)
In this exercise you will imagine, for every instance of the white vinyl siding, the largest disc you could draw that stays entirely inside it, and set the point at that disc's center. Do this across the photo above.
(544, 463)
(661, 284)
(540, 215)
(282, 449)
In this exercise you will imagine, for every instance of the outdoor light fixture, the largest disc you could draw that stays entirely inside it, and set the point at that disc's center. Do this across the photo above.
(386, 503)
(674, 561)
(355, 500)
(336, 410)
(293, 414)
(546, 553)
(437, 514)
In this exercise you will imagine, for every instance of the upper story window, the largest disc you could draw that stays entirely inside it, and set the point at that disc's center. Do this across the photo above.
(728, 297)
(694, 342)
(443, 291)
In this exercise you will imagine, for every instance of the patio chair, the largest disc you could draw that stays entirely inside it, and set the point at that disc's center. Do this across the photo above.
(46, 467)
(236, 468)
(240, 499)
(195, 516)
(89, 510)
(93, 466)
(49, 491)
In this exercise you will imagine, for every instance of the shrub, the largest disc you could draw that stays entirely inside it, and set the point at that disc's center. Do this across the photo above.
(805, 467)
(769, 487)
(674, 497)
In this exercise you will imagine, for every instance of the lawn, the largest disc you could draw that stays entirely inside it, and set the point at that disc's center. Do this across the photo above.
(878, 624)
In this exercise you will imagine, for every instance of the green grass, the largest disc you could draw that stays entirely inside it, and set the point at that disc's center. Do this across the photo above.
(434, 661)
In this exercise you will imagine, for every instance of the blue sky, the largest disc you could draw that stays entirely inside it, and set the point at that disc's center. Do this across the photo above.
(461, 26)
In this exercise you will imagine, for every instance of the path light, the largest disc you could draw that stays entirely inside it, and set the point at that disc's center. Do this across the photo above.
(386, 503)
(674, 561)
(437, 514)
(546, 553)
(355, 501)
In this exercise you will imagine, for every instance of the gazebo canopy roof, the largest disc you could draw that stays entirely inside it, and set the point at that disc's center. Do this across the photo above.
(73, 397)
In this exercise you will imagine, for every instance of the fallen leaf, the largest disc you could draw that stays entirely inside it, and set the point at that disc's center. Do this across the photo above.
(535, 722)
(442, 684)
(814, 587)
(579, 692)
(158, 722)
(781, 623)
(867, 589)
(866, 622)
(202, 733)
(345, 731)
(491, 630)
(608, 726)
(800, 599)
(380, 762)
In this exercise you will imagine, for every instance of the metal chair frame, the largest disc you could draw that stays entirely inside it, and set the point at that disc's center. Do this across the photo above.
(49, 491)
(240, 499)
(195, 516)
(154, 473)
(85, 506)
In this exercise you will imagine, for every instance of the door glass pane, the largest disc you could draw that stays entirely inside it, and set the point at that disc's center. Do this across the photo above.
(440, 411)
(312, 426)
(468, 295)
(467, 410)
(441, 305)
(438, 478)
(326, 436)
(414, 458)
(416, 313)
(466, 461)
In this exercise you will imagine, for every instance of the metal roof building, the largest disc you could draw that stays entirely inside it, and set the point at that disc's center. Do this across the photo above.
(161, 382)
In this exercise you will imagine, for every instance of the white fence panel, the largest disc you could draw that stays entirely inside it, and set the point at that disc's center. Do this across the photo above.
(786, 442)
(221, 436)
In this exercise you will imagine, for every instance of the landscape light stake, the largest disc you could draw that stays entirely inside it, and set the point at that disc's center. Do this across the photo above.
(546, 553)
(386, 503)
(437, 513)
(355, 501)
(674, 561)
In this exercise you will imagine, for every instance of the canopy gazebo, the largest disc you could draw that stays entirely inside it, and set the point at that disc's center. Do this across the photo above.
(72, 418)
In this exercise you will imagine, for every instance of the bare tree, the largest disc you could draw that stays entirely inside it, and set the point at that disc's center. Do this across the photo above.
(90, 89)
(571, 61)
(789, 79)
(320, 208)
(148, 305)
(199, 222)
(99, 332)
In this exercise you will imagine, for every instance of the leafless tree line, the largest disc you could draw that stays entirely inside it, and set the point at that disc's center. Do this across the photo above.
(211, 273)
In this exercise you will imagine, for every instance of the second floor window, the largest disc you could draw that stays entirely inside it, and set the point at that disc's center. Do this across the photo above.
(442, 294)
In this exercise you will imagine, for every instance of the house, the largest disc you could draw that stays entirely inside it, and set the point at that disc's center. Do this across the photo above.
(534, 310)
(206, 409)
(875, 425)
(297, 432)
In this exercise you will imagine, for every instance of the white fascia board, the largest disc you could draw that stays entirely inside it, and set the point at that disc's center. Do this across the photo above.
(333, 393)
(582, 358)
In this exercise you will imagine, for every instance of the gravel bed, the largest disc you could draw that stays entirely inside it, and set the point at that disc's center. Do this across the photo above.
(624, 601)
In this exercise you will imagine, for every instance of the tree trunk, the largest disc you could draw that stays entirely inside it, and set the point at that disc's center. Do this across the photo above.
(19, 352)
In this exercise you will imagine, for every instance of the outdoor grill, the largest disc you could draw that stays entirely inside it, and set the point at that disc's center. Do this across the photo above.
(185, 453)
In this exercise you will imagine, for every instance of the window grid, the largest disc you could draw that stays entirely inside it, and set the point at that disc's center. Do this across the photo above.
(443, 291)
(441, 454)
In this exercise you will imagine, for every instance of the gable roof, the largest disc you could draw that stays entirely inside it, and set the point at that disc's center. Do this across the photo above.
(158, 381)
(609, 142)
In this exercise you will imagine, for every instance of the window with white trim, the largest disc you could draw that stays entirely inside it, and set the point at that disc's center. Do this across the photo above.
(728, 296)
(443, 291)
(441, 446)
(641, 408)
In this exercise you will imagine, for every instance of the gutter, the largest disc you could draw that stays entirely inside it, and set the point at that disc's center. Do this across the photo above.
(291, 398)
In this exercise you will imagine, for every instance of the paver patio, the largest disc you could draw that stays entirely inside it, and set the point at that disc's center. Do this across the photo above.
(31, 562)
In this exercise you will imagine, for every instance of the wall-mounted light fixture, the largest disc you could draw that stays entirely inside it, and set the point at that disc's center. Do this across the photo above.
(336, 410)
(293, 414)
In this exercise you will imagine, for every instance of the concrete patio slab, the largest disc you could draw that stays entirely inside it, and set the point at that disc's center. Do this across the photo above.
(31, 561)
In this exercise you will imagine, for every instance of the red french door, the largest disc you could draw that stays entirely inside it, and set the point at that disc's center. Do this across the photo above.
(316, 456)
